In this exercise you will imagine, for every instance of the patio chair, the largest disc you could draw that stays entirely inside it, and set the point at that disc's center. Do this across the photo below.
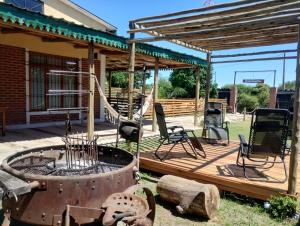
(216, 127)
(267, 140)
(175, 135)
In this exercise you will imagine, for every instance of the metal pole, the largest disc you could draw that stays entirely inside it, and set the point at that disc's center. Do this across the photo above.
(295, 147)
(283, 73)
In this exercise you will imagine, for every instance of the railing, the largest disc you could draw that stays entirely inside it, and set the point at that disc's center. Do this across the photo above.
(177, 107)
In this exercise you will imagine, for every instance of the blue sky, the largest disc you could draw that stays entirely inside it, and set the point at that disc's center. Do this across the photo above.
(119, 12)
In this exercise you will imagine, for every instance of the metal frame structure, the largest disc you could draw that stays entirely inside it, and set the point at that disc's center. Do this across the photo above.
(258, 71)
(233, 25)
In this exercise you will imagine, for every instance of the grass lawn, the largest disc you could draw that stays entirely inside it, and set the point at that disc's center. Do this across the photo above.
(234, 210)
(236, 128)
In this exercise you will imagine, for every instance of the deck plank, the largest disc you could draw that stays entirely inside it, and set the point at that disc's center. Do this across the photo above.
(219, 168)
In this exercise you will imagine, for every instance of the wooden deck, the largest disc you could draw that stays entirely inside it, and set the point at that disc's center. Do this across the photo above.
(219, 168)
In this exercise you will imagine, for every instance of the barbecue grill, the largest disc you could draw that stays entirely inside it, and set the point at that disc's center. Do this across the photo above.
(70, 185)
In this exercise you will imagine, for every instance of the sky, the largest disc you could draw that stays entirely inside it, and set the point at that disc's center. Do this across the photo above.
(120, 12)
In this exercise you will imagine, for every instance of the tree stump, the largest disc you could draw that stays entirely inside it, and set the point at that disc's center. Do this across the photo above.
(189, 196)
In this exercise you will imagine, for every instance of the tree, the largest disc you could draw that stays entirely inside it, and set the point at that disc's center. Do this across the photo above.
(164, 88)
(120, 79)
(263, 95)
(252, 97)
(288, 85)
(247, 101)
(185, 79)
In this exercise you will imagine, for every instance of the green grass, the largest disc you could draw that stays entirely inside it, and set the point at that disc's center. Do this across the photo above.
(234, 211)
(236, 128)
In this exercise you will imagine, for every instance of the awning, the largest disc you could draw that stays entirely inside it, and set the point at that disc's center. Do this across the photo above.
(10, 14)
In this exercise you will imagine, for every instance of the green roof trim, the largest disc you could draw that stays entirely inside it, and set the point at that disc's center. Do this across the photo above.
(21, 17)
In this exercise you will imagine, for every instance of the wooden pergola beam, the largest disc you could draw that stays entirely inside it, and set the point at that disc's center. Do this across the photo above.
(91, 116)
(155, 95)
(217, 18)
(255, 53)
(203, 9)
(197, 96)
(256, 59)
(295, 147)
(248, 38)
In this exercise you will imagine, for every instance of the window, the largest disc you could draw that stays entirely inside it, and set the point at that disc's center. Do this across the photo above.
(41, 82)
(31, 5)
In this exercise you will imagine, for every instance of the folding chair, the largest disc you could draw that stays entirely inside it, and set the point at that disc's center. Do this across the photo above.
(267, 139)
(175, 135)
(217, 128)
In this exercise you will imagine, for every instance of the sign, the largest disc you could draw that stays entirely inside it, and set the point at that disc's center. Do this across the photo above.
(253, 81)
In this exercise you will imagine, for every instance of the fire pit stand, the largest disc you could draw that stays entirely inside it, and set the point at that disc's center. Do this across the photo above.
(51, 193)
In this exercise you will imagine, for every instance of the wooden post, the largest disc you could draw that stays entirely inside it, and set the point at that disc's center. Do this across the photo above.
(295, 147)
(131, 77)
(155, 95)
(91, 116)
(207, 88)
(109, 84)
(197, 96)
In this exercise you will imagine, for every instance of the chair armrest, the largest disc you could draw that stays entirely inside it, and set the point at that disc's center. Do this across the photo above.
(175, 127)
(243, 140)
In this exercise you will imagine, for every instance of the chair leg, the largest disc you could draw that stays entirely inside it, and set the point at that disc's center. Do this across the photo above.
(193, 149)
(163, 158)
(244, 168)
(238, 158)
(155, 153)
(278, 181)
(285, 171)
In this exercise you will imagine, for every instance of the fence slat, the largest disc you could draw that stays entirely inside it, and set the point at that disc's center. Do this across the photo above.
(177, 107)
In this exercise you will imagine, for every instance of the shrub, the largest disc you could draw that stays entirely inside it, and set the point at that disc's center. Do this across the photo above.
(282, 207)
(247, 101)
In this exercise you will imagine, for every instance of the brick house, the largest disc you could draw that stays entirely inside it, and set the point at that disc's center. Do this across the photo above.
(39, 35)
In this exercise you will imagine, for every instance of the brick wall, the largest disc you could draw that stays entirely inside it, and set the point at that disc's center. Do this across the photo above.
(52, 118)
(13, 87)
(12, 83)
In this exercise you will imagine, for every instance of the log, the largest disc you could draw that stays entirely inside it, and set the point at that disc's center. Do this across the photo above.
(190, 197)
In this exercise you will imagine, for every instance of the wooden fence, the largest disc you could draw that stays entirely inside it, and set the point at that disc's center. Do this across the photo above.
(177, 107)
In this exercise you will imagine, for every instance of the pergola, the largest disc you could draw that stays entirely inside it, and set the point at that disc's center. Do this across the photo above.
(239, 24)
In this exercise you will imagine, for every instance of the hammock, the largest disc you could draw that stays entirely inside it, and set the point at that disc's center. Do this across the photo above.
(113, 115)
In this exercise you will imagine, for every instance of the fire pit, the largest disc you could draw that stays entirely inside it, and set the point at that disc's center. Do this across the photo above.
(71, 183)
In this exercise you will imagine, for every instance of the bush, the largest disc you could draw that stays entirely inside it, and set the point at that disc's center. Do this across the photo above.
(247, 101)
(282, 207)
(164, 88)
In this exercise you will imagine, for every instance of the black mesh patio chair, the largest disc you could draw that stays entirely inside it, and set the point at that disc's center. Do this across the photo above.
(216, 127)
(267, 140)
(175, 135)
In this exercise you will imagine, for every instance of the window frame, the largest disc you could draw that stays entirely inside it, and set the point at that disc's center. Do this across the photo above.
(46, 68)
